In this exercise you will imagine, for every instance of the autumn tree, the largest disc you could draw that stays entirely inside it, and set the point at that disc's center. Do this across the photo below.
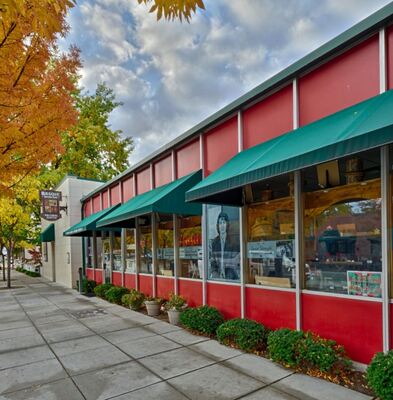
(174, 9)
(17, 224)
(92, 149)
(36, 83)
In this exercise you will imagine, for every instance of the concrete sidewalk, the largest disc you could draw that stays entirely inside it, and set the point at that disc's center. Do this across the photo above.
(56, 344)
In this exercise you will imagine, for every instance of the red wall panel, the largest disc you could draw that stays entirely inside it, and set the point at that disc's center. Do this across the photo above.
(220, 144)
(116, 278)
(129, 281)
(356, 324)
(128, 189)
(163, 171)
(269, 118)
(146, 284)
(165, 286)
(192, 291)
(105, 200)
(273, 308)
(143, 181)
(90, 273)
(115, 195)
(224, 297)
(87, 208)
(96, 204)
(188, 159)
(346, 80)
(390, 57)
(98, 276)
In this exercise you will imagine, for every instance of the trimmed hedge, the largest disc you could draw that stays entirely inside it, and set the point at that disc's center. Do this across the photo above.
(33, 274)
(380, 375)
(115, 293)
(245, 334)
(100, 290)
(203, 319)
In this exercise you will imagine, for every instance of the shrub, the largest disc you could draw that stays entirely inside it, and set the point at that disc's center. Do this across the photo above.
(100, 290)
(134, 299)
(88, 285)
(283, 346)
(175, 302)
(380, 375)
(115, 293)
(203, 319)
(245, 334)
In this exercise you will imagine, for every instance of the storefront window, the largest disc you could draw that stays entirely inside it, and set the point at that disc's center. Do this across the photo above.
(117, 252)
(271, 243)
(223, 243)
(165, 251)
(190, 247)
(106, 251)
(145, 245)
(45, 251)
(99, 252)
(342, 227)
(130, 251)
(89, 252)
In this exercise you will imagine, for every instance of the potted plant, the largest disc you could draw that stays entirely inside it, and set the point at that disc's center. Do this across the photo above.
(174, 307)
(153, 305)
(134, 300)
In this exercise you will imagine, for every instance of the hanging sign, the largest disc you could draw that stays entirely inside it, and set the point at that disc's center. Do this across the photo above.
(50, 203)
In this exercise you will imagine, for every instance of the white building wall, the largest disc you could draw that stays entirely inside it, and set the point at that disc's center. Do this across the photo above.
(65, 254)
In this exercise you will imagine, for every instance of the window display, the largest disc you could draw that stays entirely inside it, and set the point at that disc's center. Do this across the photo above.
(116, 251)
(190, 247)
(130, 251)
(223, 243)
(89, 252)
(145, 246)
(342, 228)
(271, 243)
(165, 251)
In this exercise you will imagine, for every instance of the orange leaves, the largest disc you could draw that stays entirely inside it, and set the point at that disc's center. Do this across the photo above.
(174, 9)
(35, 85)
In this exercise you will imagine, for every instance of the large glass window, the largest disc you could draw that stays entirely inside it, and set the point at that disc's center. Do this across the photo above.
(165, 251)
(99, 252)
(342, 226)
(223, 243)
(116, 249)
(130, 251)
(190, 247)
(271, 243)
(106, 251)
(89, 252)
(145, 245)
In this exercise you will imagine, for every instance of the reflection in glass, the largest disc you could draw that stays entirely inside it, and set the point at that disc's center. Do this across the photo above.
(117, 253)
(165, 251)
(130, 251)
(89, 252)
(343, 240)
(223, 243)
(190, 247)
(145, 247)
(271, 243)
(106, 252)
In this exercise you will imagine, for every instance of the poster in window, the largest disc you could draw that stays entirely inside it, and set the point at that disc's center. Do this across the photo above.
(364, 283)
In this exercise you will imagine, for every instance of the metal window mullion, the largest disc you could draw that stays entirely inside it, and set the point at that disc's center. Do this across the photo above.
(243, 259)
(123, 255)
(111, 240)
(298, 245)
(204, 254)
(176, 251)
(137, 254)
(385, 240)
(154, 251)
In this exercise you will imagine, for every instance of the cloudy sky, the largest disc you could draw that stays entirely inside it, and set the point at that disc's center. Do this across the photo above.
(171, 76)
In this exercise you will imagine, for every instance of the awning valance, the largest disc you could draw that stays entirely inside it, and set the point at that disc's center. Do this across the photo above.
(88, 225)
(48, 234)
(363, 126)
(166, 199)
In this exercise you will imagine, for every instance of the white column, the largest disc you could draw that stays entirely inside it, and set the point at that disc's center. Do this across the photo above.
(151, 176)
(123, 255)
(243, 259)
(101, 201)
(295, 103)
(137, 254)
(154, 251)
(382, 61)
(298, 245)
(386, 239)
(173, 162)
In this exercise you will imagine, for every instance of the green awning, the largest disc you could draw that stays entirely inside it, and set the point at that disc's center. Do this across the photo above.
(88, 225)
(166, 199)
(363, 126)
(48, 234)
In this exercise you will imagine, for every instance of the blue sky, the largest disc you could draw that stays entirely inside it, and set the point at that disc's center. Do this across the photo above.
(172, 75)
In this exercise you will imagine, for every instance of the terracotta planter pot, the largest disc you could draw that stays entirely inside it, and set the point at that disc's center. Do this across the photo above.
(153, 308)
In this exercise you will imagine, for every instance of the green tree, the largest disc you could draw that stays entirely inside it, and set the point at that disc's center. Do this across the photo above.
(91, 148)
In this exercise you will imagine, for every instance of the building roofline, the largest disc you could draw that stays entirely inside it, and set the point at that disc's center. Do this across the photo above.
(361, 30)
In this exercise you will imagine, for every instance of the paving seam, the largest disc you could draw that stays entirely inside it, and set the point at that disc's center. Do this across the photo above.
(57, 358)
